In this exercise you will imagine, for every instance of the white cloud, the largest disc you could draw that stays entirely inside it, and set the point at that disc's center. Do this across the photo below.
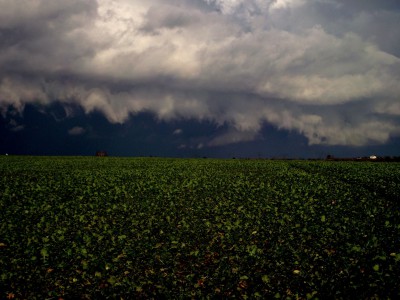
(282, 4)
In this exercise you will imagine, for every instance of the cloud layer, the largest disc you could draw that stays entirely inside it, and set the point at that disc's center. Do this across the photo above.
(327, 69)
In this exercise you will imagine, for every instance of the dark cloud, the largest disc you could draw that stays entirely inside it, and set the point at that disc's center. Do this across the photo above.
(169, 17)
(326, 69)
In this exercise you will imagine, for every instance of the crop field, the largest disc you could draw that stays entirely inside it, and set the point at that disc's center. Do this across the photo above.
(150, 228)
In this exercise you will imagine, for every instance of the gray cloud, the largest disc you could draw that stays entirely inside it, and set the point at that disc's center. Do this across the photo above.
(177, 131)
(77, 130)
(328, 69)
(232, 137)
(13, 125)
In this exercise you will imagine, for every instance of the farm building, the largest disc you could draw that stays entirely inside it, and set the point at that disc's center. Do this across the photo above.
(101, 153)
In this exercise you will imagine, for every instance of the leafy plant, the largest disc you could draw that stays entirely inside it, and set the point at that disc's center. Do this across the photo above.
(190, 228)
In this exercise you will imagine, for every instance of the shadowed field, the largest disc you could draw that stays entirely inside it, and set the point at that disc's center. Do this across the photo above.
(92, 228)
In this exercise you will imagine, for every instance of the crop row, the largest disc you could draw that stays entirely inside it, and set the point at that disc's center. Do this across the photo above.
(198, 228)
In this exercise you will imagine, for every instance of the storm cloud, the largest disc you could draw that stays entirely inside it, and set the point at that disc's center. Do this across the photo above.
(327, 69)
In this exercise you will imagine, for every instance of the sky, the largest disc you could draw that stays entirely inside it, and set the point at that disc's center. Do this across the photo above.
(200, 78)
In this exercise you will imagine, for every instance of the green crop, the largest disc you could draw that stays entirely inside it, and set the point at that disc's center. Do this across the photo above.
(79, 227)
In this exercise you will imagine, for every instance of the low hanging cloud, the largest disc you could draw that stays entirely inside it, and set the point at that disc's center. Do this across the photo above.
(327, 69)
(77, 130)
(177, 131)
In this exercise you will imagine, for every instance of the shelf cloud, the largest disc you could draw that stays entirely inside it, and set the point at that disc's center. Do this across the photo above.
(327, 69)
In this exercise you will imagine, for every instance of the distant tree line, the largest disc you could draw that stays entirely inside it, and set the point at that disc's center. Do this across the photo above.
(373, 158)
